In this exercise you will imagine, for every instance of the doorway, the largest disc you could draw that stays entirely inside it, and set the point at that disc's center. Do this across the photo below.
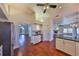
(23, 34)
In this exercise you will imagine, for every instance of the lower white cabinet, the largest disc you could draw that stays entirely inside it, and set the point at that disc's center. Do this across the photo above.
(35, 39)
(59, 44)
(77, 48)
(69, 47)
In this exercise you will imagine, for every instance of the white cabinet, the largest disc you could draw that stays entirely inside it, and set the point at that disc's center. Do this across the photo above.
(66, 46)
(69, 47)
(35, 39)
(59, 44)
(77, 48)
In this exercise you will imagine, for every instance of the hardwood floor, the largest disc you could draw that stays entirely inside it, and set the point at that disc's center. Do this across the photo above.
(40, 49)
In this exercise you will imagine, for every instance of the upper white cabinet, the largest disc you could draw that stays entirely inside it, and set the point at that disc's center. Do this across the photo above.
(69, 47)
(77, 48)
(71, 18)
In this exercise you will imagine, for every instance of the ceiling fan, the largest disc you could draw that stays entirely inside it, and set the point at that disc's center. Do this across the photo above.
(46, 6)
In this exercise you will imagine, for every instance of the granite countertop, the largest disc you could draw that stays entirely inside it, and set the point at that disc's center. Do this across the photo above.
(68, 38)
(77, 40)
(36, 34)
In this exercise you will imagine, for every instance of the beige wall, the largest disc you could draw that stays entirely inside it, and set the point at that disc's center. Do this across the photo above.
(17, 17)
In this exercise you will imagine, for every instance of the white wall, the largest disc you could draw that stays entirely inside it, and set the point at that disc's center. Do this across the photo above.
(47, 28)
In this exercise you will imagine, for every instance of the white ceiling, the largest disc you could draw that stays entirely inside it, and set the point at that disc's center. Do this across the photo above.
(50, 13)
(37, 11)
(19, 8)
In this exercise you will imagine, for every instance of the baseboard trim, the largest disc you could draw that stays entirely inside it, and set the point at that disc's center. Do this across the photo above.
(63, 52)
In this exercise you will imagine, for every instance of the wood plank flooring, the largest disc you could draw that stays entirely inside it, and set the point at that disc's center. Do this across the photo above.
(40, 49)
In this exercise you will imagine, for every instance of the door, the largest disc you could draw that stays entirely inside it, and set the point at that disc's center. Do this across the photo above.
(5, 36)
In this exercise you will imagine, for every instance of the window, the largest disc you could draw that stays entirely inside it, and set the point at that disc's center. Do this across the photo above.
(65, 30)
(70, 30)
(77, 30)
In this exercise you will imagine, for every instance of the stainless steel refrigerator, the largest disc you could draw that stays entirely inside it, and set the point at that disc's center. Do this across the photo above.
(6, 37)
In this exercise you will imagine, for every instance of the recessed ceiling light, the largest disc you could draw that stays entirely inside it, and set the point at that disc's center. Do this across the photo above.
(47, 7)
(60, 7)
(44, 7)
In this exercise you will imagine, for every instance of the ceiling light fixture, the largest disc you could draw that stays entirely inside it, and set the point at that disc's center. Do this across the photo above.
(47, 7)
(60, 7)
(44, 7)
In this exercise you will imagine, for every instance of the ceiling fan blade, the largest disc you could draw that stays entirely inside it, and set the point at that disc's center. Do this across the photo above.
(53, 6)
(40, 4)
(44, 11)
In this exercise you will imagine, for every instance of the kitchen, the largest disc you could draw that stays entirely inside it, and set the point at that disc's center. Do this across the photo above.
(67, 36)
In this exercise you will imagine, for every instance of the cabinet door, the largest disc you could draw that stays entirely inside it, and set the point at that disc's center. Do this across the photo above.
(69, 47)
(77, 48)
(36, 39)
(59, 44)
